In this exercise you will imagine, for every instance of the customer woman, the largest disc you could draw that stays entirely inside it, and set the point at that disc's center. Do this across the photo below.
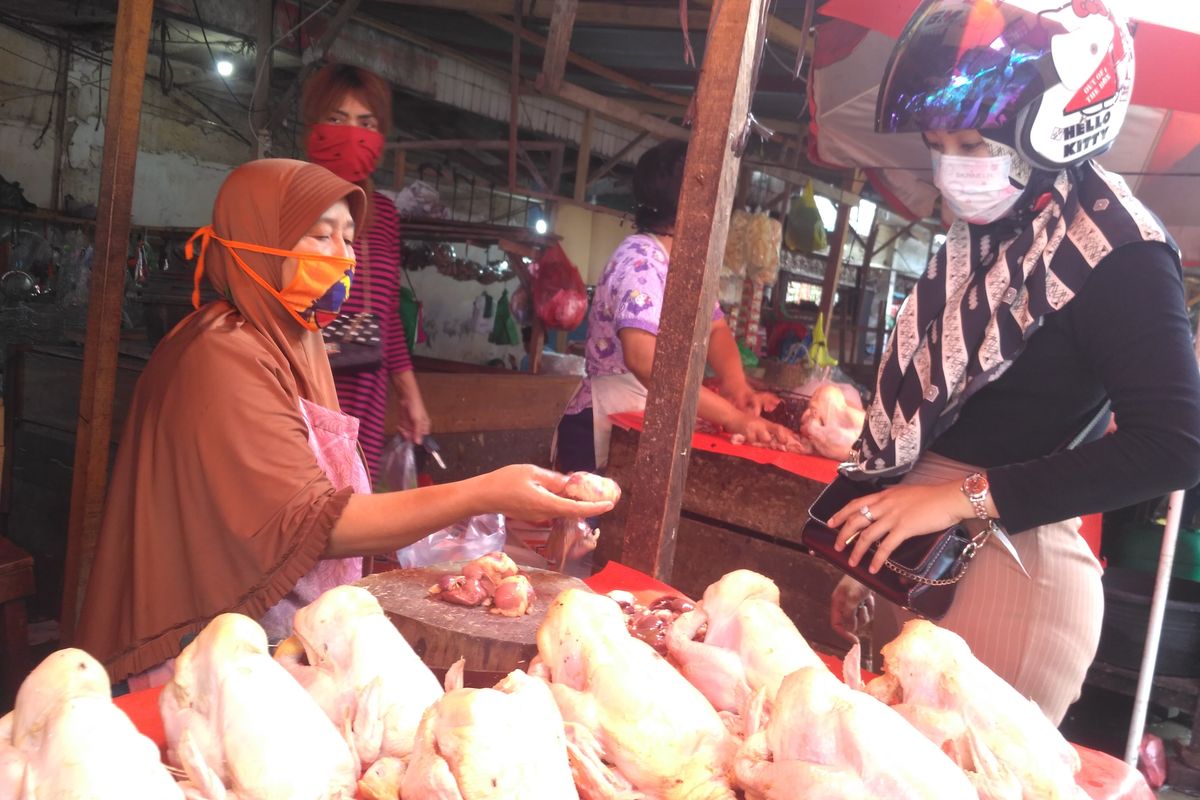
(348, 112)
(623, 331)
(238, 484)
(1055, 291)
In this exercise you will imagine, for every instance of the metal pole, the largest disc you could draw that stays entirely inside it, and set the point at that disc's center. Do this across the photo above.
(1158, 608)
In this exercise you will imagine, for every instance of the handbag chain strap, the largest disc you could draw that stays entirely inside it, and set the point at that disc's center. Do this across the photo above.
(973, 546)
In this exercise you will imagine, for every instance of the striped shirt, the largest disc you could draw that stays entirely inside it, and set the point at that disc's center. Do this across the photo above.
(364, 394)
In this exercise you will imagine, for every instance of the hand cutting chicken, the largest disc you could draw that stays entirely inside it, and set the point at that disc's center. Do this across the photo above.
(627, 711)
(240, 727)
(825, 740)
(829, 424)
(505, 743)
(748, 643)
(65, 739)
(367, 677)
(1002, 740)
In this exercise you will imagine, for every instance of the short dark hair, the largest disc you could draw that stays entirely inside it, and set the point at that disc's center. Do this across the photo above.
(657, 180)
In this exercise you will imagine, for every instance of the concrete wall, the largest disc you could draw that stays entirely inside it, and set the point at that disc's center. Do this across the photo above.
(183, 153)
(589, 237)
(448, 306)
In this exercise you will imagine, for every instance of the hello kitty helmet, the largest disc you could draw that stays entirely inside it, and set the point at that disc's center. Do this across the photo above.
(1051, 79)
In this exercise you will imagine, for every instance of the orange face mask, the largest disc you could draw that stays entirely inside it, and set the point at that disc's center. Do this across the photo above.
(314, 297)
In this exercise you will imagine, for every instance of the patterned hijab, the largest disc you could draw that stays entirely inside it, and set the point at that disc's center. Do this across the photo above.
(979, 301)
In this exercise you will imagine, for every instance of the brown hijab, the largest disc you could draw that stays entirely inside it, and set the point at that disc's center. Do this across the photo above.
(216, 502)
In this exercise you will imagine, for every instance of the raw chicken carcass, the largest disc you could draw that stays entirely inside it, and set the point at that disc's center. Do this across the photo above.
(380, 687)
(240, 726)
(488, 744)
(749, 644)
(625, 706)
(66, 739)
(833, 420)
(825, 740)
(1001, 739)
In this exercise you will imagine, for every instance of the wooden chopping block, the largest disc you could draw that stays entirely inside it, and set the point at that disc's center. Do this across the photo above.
(441, 632)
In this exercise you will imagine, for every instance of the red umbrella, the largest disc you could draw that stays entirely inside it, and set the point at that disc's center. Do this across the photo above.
(1158, 151)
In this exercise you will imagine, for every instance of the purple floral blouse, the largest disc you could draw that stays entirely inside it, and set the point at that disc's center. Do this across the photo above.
(629, 295)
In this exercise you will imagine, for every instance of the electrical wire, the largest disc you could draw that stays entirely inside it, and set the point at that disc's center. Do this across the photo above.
(204, 33)
(166, 72)
(259, 76)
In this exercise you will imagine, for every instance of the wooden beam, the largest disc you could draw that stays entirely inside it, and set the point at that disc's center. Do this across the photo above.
(106, 293)
(471, 144)
(618, 157)
(60, 126)
(534, 172)
(399, 167)
(782, 33)
(260, 111)
(585, 156)
(558, 45)
(616, 110)
(609, 15)
(587, 65)
(702, 224)
(833, 268)
(312, 60)
(556, 169)
(514, 104)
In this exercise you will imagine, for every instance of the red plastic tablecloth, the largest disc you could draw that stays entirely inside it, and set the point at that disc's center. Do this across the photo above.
(1102, 777)
(818, 468)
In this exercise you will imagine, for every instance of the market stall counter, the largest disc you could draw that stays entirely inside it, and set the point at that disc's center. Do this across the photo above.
(1102, 777)
(742, 507)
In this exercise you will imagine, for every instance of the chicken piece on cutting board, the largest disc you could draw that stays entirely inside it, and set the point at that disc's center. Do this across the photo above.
(240, 726)
(1002, 740)
(750, 643)
(66, 739)
(367, 677)
(825, 740)
(505, 743)
(626, 708)
(833, 420)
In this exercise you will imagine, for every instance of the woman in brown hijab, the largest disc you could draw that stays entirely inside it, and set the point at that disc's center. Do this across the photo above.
(237, 484)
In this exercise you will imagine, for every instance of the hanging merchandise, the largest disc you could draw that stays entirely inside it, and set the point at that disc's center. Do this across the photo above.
(818, 351)
(504, 331)
(734, 263)
(805, 232)
(750, 316)
(412, 313)
(518, 305)
(763, 239)
(559, 295)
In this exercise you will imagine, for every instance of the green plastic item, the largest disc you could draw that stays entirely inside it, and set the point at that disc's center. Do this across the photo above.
(749, 359)
(1137, 547)
(504, 330)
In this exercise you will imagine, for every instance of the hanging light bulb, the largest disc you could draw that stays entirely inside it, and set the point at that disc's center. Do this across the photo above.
(224, 67)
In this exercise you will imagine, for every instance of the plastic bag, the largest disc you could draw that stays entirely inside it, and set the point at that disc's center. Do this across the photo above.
(397, 466)
(805, 232)
(462, 541)
(763, 236)
(559, 295)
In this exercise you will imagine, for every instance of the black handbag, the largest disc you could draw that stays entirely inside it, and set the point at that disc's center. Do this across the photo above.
(923, 572)
(353, 342)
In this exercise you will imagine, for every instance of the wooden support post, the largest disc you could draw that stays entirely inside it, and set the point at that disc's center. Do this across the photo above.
(94, 427)
(556, 174)
(313, 59)
(260, 111)
(585, 156)
(60, 126)
(837, 242)
(702, 224)
(399, 167)
(558, 45)
(514, 106)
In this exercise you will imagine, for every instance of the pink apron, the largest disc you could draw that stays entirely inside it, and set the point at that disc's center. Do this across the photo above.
(333, 437)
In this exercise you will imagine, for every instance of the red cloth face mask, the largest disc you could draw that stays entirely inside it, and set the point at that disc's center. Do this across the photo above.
(348, 151)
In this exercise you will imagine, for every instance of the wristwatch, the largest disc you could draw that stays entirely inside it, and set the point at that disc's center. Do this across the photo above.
(975, 487)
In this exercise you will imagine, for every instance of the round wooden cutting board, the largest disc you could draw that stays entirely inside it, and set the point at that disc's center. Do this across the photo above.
(441, 632)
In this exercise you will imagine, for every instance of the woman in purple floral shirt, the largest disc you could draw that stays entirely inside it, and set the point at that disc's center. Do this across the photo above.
(623, 328)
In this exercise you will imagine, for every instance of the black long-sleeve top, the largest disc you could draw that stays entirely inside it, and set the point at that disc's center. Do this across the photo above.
(1126, 335)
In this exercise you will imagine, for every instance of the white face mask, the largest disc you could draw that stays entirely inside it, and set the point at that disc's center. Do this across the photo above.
(975, 189)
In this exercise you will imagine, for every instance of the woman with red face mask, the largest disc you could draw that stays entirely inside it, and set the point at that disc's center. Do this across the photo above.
(348, 112)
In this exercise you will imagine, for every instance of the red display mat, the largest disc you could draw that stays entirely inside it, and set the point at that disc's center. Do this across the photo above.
(818, 468)
(1103, 777)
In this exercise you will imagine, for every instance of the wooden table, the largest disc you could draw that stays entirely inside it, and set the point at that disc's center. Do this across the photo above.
(737, 514)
